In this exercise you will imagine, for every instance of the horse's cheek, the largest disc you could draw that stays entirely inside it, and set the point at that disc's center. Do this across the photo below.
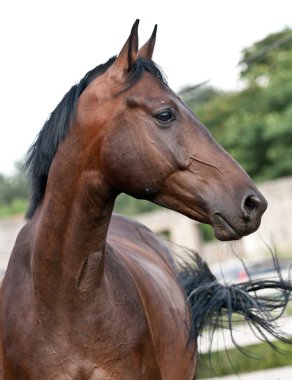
(127, 155)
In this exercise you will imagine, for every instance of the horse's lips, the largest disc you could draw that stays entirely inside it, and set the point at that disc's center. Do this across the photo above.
(223, 230)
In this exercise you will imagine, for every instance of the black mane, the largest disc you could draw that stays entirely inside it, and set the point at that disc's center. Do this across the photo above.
(42, 152)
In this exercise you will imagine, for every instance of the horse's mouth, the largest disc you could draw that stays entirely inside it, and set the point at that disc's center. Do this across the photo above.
(223, 230)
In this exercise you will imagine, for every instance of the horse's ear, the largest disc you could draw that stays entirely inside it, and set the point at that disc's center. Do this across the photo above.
(146, 50)
(128, 54)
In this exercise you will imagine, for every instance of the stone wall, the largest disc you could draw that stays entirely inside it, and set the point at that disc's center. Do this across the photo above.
(276, 227)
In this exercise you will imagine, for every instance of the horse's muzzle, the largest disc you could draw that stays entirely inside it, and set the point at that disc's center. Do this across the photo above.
(233, 227)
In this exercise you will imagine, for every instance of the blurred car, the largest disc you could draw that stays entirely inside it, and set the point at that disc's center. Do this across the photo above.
(262, 269)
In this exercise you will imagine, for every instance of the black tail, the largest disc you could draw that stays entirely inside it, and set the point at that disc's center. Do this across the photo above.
(213, 304)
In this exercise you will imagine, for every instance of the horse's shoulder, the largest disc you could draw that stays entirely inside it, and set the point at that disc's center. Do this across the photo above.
(146, 262)
(136, 236)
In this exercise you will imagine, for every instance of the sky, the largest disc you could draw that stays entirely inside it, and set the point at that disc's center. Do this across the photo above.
(47, 46)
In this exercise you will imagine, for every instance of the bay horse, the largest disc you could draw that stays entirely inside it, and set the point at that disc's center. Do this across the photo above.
(92, 295)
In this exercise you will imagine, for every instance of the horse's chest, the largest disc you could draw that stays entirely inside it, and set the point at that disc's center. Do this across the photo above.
(116, 345)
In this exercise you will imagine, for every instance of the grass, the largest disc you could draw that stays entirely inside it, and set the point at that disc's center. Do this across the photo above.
(258, 357)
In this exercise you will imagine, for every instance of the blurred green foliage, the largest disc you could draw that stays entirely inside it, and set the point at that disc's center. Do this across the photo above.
(254, 124)
(127, 205)
(207, 232)
(13, 193)
(13, 187)
(17, 206)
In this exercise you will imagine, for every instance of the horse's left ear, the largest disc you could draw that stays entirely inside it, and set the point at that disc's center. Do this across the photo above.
(128, 54)
(146, 50)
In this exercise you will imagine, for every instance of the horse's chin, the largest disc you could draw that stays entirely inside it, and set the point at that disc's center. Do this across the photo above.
(226, 229)
(223, 229)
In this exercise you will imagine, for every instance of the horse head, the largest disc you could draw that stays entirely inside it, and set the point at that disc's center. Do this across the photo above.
(152, 146)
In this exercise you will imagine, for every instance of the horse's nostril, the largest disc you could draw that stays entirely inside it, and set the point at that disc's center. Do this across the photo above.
(252, 202)
(250, 206)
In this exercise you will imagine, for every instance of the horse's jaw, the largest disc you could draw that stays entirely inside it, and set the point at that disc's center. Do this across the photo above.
(219, 207)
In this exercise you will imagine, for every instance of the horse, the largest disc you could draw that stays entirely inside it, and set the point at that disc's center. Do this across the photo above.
(92, 295)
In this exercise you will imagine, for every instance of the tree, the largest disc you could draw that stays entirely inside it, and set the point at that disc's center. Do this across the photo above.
(13, 192)
(255, 124)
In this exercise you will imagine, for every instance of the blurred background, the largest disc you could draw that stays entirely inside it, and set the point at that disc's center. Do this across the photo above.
(231, 62)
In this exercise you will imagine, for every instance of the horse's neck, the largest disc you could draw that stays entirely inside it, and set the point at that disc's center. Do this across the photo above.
(72, 224)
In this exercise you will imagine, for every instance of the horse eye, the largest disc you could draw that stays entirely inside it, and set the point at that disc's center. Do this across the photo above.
(165, 116)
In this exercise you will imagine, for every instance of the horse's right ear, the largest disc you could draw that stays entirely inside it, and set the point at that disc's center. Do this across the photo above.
(128, 54)
(146, 50)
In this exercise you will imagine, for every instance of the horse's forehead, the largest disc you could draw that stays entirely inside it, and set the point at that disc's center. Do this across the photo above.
(149, 88)
(152, 84)
(148, 91)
